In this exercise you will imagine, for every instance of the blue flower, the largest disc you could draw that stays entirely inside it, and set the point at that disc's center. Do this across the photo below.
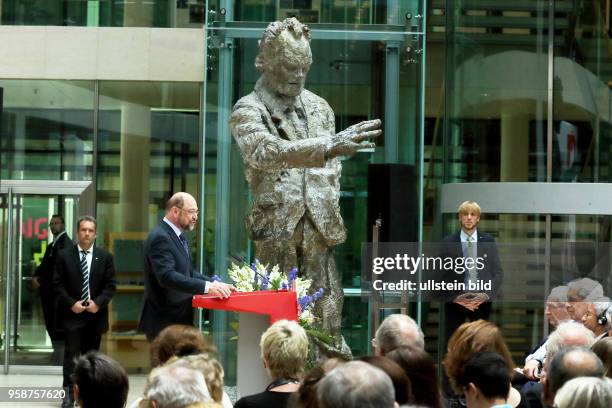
(293, 274)
(284, 286)
(216, 278)
(254, 266)
(255, 278)
(265, 282)
(305, 302)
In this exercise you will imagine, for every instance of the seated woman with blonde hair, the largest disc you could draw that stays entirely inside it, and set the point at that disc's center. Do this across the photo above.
(284, 350)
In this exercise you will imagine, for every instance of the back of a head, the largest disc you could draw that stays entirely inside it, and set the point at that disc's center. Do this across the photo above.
(584, 392)
(101, 381)
(571, 363)
(284, 346)
(421, 370)
(401, 381)
(603, 349)
(210, 368)
(471, 338)
(178, 340)
(568, 334)
(356, 385)
(489, 372)
(306, 396)
(399, 330)
(586, 289)
(176, 387)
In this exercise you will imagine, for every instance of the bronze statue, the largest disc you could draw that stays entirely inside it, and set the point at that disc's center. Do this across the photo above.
(287, 139)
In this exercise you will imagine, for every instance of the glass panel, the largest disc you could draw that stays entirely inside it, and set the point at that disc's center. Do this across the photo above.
(44, 13)
(104, 13)
(32, 321)
(3, 259)
(372, 70)
(582, 109)
(486, 122)
(47, 130)
(147, 149)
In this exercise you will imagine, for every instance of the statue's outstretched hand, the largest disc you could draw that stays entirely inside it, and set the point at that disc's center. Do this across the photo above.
(347, 142)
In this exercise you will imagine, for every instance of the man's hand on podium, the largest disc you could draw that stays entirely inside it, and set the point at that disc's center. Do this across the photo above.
(223, 290)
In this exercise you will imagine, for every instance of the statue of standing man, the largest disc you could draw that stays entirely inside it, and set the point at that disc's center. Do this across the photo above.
(287, 139)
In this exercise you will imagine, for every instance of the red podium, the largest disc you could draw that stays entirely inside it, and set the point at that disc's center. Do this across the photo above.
(278, 304)
(257, 311)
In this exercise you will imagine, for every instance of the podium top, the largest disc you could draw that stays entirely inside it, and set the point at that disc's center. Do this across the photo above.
(278, 304)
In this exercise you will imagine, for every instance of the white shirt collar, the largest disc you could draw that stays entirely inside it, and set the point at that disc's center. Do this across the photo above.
(464, 236)
(89, 251)
(176, 229)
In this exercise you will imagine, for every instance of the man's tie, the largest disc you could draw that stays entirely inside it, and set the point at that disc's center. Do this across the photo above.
(85, 272)
(185, 244)
(471, 250)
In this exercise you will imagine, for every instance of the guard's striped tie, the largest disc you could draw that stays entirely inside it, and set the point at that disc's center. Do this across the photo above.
(85, 272)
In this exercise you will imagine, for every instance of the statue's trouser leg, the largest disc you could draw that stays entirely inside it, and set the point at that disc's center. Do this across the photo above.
(319, 265)
(308, 250)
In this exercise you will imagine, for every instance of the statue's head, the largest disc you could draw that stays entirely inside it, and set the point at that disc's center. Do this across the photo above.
(284, 56)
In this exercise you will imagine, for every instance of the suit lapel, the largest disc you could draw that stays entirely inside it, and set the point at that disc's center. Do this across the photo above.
(173, 236)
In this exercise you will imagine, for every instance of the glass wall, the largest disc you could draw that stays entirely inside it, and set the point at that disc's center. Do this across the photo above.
(47, 130)
(367, 63)
(104, 13)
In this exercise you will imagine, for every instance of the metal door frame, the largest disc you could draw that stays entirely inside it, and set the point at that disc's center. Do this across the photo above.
(30, 187)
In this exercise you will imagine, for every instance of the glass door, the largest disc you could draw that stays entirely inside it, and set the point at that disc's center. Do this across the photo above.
(29, 320)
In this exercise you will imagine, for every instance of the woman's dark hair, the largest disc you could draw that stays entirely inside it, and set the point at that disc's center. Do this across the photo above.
(421, 369)
(101, 381)
(401, 382)
(603, 349)
(306, 395)
(178, 340)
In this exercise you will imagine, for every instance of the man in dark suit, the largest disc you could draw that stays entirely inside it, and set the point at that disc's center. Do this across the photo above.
(43, 280)
(170, 279)
(470, 243)
(84, 281)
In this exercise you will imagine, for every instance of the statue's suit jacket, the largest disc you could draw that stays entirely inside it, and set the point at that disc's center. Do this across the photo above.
(287, 173)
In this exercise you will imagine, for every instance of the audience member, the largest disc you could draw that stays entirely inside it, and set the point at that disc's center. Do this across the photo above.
(485, 380)
(356, 385)
(284, 350)
(99, 382)
(580, 292)
(603, 349)
(567, 364)
(401, 382)
(212, 371)
(585, 392)
(178, 340)
(176, 387)
(568, 334)
(395, 331)
(556, 312)
(306, 396)
(468, 339)
(421, 370)
(598, 317)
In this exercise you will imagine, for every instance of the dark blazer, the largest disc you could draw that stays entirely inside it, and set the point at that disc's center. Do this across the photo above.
(487, 249)
(68, 283)
(170, 282)
(44, 272)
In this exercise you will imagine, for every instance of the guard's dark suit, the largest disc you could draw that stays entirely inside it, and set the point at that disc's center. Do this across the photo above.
(170, 282)
(44, 273)
(83, 330)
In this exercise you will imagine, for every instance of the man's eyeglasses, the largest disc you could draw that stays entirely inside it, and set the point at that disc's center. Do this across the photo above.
(190, 212)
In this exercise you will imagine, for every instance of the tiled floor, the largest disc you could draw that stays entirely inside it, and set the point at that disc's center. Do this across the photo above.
(137, 383)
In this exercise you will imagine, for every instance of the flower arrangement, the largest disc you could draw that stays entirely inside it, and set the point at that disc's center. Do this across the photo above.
(257, 276)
